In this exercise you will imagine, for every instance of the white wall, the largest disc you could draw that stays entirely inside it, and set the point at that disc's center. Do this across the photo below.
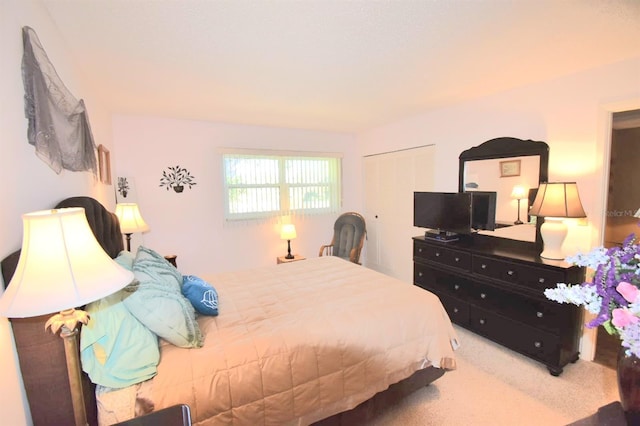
(570, 113)
(190, 224)
(28, 183)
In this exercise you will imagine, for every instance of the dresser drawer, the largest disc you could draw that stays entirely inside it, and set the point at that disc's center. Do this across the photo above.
(549, 316)
(441, 282)
(457, 309)
(450, 257)
(530, 341)
(533, 278)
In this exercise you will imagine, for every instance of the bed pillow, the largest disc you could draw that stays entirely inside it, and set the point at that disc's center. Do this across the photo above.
(125, 259)
(115, 348)
(201, 294)
(156, 300)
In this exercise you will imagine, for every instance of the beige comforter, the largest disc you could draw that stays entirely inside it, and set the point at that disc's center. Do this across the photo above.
(298, 342)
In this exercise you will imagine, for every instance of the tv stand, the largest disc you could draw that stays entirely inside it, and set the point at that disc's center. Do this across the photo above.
(443, 236)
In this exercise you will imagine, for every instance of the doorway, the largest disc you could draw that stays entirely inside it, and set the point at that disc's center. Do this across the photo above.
(623, 200)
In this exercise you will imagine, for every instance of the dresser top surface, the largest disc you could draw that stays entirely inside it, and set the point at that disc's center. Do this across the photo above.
(498, 248)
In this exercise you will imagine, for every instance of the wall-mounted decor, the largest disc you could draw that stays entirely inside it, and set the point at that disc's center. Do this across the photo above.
(510, 168)
(58, 123)
(126, 190)
(176, 178)
(104, 164)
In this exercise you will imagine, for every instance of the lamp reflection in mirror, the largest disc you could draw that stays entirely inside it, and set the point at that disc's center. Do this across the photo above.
(288, 232)
(556, 201)
(61, 266)
(519, 192)
(130, 220)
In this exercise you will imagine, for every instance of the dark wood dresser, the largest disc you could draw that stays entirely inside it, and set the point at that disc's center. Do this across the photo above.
(495, 289)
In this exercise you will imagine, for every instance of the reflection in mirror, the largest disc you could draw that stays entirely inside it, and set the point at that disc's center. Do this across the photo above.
(485, 175)
(501, 165)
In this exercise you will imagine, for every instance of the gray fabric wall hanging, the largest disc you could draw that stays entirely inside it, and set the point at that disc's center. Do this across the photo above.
(58, 122)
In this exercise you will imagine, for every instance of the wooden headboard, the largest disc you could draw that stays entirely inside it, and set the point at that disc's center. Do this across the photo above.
(41, 354)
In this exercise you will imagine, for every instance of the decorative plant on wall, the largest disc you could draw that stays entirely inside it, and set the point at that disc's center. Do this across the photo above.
(176, 178)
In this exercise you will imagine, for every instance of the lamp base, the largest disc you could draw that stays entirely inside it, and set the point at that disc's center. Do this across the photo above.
(66, 321)
(553, 232)
(289, 255)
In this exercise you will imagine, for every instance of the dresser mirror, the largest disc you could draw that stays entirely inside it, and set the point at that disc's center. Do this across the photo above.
(502, 165)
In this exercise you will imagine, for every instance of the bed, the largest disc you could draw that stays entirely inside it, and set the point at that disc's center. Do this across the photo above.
(320, 341)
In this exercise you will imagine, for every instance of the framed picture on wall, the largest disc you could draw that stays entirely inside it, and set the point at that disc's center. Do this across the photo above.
(510, 168)
(126, 190)
(104, 164)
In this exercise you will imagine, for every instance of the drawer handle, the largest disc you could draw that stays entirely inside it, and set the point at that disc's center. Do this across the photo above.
(419, 274)
(541, 280)
(437, 254)
(457, 259)
(482, 321)
(539, 314)
(483, 296)
(456, 286)
(455, 310)
(483, 266)
(420, 250)
(537, 344)
(510, 273)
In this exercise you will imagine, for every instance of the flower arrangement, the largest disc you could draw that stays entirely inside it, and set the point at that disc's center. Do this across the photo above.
(613, 293)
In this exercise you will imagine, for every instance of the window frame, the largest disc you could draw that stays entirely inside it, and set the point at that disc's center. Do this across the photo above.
(335, 199)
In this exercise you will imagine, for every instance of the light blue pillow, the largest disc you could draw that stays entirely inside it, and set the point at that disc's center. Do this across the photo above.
(157, 302)
(201, 294)
(125, 259)
(115, 348)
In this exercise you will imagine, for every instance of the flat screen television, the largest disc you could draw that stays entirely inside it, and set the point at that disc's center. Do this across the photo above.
(483, 210)
(443, 212)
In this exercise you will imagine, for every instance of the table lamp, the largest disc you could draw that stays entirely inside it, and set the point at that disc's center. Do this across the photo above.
(519, 192)
(130, 220)
(288, 232)
(556, 201)
(62, 266)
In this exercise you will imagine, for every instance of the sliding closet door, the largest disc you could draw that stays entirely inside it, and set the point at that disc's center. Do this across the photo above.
(390, 180)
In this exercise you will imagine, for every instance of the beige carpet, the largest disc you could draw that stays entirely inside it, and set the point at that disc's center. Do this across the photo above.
(495, 386)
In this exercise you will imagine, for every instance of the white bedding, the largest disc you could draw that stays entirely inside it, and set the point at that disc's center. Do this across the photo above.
(524, 232)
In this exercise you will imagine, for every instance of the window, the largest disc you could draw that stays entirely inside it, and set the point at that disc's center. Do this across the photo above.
(262, 184)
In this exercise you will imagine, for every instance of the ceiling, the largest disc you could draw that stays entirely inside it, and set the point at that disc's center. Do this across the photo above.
(331, 64)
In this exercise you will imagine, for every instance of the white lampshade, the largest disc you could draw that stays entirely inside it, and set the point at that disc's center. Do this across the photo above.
(288, 232)
(519, 192)
(61, 266)
(130, 218)
(555, 201)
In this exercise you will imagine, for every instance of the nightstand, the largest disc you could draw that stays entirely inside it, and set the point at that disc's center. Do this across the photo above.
(171, 258)
(296, 257)
(177, 415)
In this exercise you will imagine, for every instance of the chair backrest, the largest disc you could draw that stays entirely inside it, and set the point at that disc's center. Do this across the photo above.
(349, 232)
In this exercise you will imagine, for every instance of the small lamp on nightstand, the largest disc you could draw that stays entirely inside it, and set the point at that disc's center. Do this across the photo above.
(519, 192)
(556, 201)
(61, 267)
(288, 232)
(130, 220)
